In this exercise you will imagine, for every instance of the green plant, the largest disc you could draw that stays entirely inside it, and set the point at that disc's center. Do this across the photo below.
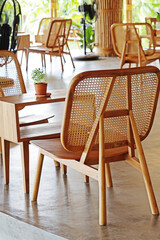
(90, 38)
(158, 16)
(38, 75)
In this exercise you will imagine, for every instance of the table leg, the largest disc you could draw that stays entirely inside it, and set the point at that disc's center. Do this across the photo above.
(25, 164)
(5, 157)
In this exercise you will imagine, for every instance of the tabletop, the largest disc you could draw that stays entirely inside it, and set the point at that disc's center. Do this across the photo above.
(27, 99)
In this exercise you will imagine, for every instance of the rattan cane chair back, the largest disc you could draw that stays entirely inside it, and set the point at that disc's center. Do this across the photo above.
(11, 80)
(153, 23)
(84, 105)
(43, 30)
(56, 35)
(86, 95)
(134, 43)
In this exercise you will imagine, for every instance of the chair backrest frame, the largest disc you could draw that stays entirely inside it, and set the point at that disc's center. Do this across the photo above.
(10, 72)
(58, 33)
(43, 28)
(127, 40)
(134, 80)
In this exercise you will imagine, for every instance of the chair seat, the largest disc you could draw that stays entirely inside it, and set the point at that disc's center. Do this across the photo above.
(54, 147)
(148, 60)
(42, 48)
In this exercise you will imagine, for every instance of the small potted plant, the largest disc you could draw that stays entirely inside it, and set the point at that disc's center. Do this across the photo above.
(40, 84)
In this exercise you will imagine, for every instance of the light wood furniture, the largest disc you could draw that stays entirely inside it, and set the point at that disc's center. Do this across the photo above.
(11, 83)
(107, 115)
(54, 43)
(73, 37)
(43, 29)
(134, 43)
(23, 42)
(10, 70)
(153, 22)
(12, 131)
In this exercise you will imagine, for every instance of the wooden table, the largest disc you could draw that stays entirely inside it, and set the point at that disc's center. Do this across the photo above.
(11, 131)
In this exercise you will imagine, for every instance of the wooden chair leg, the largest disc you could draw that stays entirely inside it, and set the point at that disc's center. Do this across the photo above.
(101, 179)
(42, 58)
(70, 56)
(5, 157)
(25, 164)
(64, 169)
(37, 177)
(86, 178)
(61, 63)
(108, 175)
(64, 59)
(144, 168)
(102, 195)
(22, 56)
(27, 57)
(0, 146)
(57, 164)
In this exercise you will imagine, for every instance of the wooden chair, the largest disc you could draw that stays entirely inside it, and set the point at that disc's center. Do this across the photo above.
(54, 43)
(43, 29)
(73, 37)
(107, 115)
(153, 22)
(134, 43)
(11, 83)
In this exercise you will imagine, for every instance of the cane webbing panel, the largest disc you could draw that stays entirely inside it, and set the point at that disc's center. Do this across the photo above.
(11, 82)
(43, 29)
(143, 90)
(86, 106)
(132, 34)
(86, 99)
(58, 33)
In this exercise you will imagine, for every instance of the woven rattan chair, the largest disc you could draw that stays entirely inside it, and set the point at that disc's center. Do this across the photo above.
(11, 83)
(153, 22)
(43, 29)
(55, 42)
(120, 106)
(134, 43)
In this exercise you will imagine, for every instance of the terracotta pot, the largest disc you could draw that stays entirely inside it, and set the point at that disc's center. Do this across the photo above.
(40, 88)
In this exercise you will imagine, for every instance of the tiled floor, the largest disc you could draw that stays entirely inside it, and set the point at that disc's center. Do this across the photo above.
(66, 205)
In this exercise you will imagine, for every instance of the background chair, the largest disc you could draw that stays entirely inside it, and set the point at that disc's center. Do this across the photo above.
(55, 42)
(73, 37)
(134, 43)
(152, 22)
(98, 128)
(11, 83)
(43, 29)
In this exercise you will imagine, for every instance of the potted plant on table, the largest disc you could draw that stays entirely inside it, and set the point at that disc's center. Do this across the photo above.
(40, 84)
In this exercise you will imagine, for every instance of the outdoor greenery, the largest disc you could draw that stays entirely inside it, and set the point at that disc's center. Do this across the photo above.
(33, 11)
(90, 38)
(145, 8)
